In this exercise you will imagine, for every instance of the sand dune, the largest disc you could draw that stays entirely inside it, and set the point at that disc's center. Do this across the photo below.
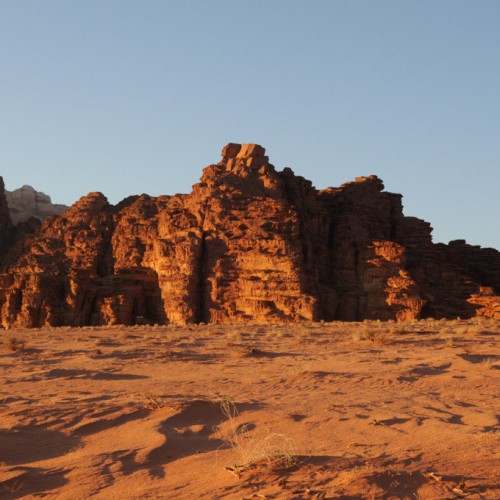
(366, 410)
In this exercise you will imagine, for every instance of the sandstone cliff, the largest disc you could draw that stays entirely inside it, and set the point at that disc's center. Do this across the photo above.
(25, 203)
(6, 227)
(249, 243)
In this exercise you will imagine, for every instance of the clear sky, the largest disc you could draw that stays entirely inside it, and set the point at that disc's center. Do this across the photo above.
(133, 96)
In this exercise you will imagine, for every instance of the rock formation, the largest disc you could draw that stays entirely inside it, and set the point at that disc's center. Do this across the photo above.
(6, 227)
(488, 302)
(25, 203)
(249, 243)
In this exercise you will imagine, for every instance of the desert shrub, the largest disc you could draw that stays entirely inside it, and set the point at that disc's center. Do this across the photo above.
(488, 362)
(271, 449)
(397, 330)
(153, 401)
(475, 330)
(449, 340)
(11, 344)
(373, 335)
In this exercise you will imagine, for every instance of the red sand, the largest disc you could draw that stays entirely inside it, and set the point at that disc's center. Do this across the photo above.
(315, 411)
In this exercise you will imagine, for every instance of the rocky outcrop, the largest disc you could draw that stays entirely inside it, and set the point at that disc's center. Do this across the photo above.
(6, 227)
(25, 203)
(367, 267)
(488, 302)
(249, 243)
(228, 252)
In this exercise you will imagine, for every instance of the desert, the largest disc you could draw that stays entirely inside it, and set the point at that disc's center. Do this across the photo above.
(372, 409)
(249, 250)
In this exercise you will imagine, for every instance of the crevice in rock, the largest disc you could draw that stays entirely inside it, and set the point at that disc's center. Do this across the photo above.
(201, 316)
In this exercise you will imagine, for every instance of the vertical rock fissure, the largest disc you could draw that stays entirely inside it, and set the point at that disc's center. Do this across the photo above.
(202, 278)
(357, 287)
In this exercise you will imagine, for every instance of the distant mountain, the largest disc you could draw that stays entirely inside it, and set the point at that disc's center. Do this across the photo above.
(248, 244)
(26, 202)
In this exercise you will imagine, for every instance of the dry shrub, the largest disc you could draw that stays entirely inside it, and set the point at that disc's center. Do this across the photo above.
(475, 330)
(376, 336)
(488, 362)
(11, 344)
(447, 331)
(397, 330)
(124, 335)
(480, 320)
(490, 435)
(469, 330)
(170, 354)
(272, 449)
(153, 401)
(449, 340)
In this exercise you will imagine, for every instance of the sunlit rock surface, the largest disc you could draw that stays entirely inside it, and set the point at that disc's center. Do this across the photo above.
(248, 244)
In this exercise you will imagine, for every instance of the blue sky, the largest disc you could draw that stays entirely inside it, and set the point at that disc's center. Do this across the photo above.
(126, 97)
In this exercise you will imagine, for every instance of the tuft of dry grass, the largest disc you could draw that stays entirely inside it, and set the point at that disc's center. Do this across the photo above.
(170, 354)
(272, 449)
(475, 330)
(11, 344)
(449, 340)
(488, 362)
(397, 330)
(491, 435)
(373, 335)
(153, 401)
(469, 330)
(124, 335)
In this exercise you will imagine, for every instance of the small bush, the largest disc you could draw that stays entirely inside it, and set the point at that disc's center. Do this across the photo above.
(376, 336)
(272, 449)
(488, 362)
(11, 344)
(153, 401)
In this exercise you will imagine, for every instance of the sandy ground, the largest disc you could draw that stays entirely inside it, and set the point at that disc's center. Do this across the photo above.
(334, 410)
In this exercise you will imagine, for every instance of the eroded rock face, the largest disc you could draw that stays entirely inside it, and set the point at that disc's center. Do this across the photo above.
(5, 221)
(25, 203)
(488, 302)
(248, 243)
